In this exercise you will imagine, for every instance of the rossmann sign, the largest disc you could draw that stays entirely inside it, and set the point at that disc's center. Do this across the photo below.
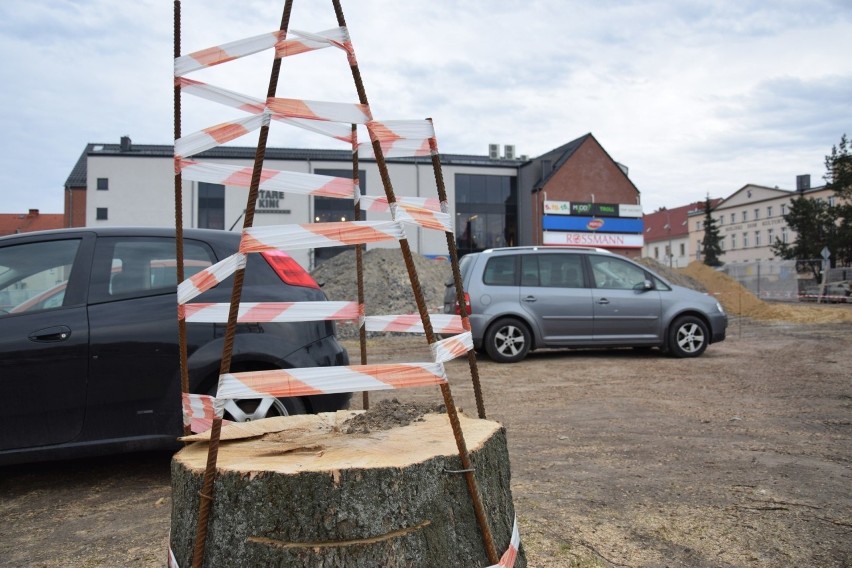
(603, 240)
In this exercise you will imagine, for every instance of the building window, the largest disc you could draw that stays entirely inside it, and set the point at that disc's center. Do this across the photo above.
(101, 214)
(745, 216)
(486, 212)
(769, 211)
(698, 226)
(331, 210)
(657, 253)
(783, 234)
(733, 218)
(832, 201)
(211, 205)
(745, 240)
(757, 238)
(682, 249)
(733, 242)
(769, 235)
(103, 184)
(783, 209)
(756, 214)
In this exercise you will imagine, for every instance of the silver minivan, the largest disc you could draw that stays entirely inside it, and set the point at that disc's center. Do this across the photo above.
(524, 298)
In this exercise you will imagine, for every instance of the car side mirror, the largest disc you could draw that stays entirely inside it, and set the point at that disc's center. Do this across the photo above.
(644, 286)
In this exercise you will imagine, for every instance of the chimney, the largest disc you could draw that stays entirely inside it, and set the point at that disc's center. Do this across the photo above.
(33, 213)
(803, 183)
(125, 143)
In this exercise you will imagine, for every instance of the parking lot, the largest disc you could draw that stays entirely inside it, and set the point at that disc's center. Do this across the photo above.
(619, 458)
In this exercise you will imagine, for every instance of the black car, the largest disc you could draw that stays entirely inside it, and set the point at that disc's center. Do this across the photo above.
(89, 353)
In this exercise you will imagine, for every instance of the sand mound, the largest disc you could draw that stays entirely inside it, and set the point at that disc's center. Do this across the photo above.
(738, 301)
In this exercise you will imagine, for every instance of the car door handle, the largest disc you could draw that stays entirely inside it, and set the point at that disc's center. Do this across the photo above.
(55, 333)
(530, 299)
(603, 301)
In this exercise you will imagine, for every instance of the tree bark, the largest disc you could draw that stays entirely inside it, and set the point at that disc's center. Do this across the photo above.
(311, 495)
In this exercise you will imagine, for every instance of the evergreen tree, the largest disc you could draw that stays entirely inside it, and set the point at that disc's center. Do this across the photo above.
(838, 170)
(711, 248)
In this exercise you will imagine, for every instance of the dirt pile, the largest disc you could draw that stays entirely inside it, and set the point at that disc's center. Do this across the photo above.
(389, 414)
(738, 301)
(387, 287)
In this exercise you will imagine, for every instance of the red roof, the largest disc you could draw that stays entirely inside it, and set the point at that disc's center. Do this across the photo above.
(671, 223)
(11, 223)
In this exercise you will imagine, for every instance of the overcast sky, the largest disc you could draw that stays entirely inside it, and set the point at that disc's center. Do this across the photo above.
(694, 97)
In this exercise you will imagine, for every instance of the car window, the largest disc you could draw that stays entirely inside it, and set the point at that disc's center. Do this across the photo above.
(143, 266)
(615, 273)
(500, 271)
(552, 270)
(34, 276)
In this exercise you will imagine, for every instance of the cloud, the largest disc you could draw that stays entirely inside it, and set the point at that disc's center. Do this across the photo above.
(695, 98)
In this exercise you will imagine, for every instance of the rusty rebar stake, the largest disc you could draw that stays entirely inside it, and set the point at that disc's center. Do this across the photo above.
(359, 261)
(452, 413)
(454, 262)
(184, 371)
(230, 331)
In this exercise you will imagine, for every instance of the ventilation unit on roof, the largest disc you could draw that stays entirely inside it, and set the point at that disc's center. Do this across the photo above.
(493, 151)
(509, 151)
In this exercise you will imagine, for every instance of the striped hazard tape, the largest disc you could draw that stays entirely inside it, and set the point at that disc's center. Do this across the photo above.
(213, 136)
(227, 52)
(412, 323)
(199, 411)
(307, 381)
(314, 235)
(209, 277)
(271, 180)
(511, 554)
(253, 312)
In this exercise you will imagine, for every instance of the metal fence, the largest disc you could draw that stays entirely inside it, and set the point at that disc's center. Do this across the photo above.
(776, 280)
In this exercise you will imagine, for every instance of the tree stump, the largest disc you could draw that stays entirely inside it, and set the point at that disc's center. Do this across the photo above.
(302, 492)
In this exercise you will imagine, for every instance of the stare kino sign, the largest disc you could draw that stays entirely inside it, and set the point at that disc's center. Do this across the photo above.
(593, 239)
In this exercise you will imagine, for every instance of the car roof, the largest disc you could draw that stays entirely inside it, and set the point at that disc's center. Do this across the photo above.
(549, 248)
(131, 231)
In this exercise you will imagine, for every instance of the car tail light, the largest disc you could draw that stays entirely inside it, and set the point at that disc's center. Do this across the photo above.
(466, 305)
(288, 270)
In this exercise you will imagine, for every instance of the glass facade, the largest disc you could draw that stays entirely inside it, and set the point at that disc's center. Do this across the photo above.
(486, 212)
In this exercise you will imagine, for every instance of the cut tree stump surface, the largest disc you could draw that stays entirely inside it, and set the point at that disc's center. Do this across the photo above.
(299, 491)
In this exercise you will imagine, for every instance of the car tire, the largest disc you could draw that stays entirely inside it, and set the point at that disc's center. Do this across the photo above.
(688, 337)
(247, 410)
(508, 340)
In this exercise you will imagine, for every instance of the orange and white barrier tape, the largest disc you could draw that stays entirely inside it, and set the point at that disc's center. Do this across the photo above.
(422, 217)
(411, 210)
(452, 347)
(199, 411)
(337, 37)
(216, 135)
(226, 52)
(380, 203)
(413, 323)
(511, 554)
(316, 235)
(253, 312)
(271, 180)
(399, 138)
(256, 106)
(209, 277)
(307, 381)
(350, 113)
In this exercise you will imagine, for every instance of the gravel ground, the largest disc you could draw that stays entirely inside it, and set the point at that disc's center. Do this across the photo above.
(740, 458)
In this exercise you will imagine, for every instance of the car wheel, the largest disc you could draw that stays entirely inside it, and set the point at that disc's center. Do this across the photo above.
(249, 409)
(508, 340)
(688, 337)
